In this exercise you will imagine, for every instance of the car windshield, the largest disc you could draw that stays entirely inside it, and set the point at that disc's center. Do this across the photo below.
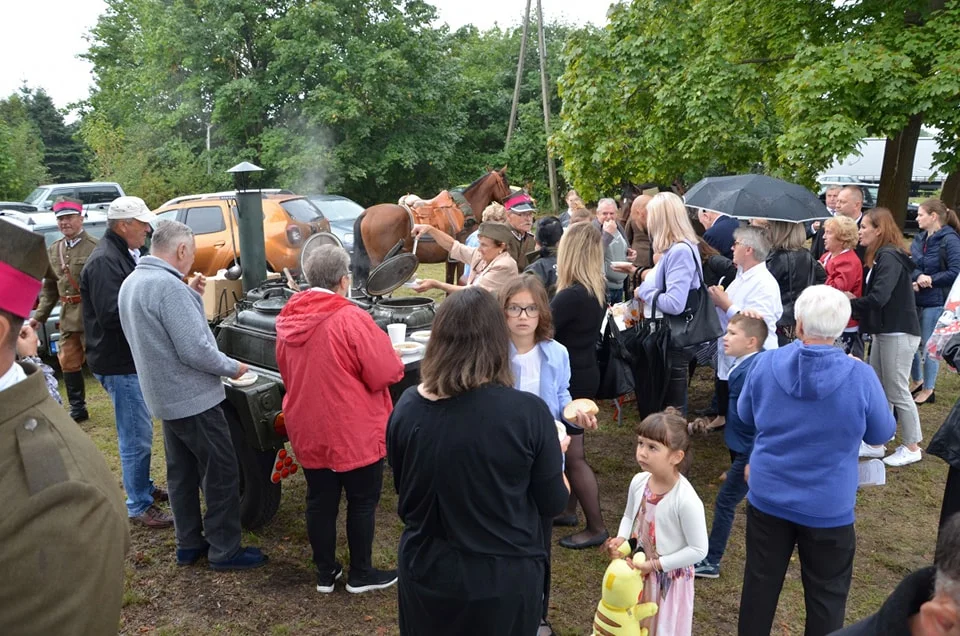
(301, 210)
(36, 197)
(338, 209)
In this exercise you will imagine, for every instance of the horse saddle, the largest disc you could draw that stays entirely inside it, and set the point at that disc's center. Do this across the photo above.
(441, 212)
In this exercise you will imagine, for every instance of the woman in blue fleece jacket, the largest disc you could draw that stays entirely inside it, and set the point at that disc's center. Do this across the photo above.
(803, 468)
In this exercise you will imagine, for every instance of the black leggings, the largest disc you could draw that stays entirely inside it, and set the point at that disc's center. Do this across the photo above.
(583, 485)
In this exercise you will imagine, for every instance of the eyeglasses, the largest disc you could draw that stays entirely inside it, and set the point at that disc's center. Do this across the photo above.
(514, 311)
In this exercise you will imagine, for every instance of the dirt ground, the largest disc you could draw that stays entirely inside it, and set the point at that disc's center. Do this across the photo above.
(896, 530)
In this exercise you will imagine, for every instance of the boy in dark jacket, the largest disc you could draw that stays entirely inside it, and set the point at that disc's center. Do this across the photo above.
(743, 340)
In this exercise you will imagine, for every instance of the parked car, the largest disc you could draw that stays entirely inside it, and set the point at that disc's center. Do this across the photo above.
(288, 219)
(341, 212)
(94, 195)
(17, 206)
(45, 223)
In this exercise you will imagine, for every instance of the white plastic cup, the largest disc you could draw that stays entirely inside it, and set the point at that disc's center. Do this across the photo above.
(397, 332)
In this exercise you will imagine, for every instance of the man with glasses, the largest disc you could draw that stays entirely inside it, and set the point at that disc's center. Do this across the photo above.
(67, 258)
(522, 243)
(109, 357)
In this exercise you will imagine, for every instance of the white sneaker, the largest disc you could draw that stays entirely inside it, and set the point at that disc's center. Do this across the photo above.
(871, 451)
(903, 456)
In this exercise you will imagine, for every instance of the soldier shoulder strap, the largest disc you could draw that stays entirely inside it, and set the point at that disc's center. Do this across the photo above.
(65, 268)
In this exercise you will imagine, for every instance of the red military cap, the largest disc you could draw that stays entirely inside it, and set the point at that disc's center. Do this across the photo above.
(63, 207)
(23, 262)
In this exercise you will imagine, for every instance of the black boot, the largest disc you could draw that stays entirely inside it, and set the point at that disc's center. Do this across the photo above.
(76, 393)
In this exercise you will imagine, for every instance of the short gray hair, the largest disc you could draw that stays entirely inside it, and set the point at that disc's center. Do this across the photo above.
(823, 311)
(947, 559)
(168, 236)
(754, 237)
(606, 201)
(326, 265)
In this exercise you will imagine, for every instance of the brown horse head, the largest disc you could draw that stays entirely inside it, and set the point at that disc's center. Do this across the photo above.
(491, 187)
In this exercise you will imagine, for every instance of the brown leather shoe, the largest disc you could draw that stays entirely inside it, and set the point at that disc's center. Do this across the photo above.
(160, 495)
(155, 518)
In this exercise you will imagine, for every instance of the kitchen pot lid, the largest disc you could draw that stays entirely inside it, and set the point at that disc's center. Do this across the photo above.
(270, 305)
(391, 274)
(315, 241)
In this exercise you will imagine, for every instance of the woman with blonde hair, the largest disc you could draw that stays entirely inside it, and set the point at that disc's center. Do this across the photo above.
(673, 281)
(794, 269)
(578, 309)
(844, 272)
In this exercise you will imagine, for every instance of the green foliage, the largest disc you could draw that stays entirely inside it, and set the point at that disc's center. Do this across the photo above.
(21, 151)
(63, 155)
(360, 97)
(679, 90)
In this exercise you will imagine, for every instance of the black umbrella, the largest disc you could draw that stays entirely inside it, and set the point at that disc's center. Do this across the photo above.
(755, 196)
(648, 344)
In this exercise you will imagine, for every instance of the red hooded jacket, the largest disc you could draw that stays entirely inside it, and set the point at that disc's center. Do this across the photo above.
(337, 366)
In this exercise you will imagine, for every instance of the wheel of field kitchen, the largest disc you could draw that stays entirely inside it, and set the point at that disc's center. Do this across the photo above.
(259, 496)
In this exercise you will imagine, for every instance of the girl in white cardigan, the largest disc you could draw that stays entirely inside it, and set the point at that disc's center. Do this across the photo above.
(664, 518)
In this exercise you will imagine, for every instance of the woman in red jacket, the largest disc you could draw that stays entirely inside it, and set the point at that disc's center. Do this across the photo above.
(844, 271)
(337, 366)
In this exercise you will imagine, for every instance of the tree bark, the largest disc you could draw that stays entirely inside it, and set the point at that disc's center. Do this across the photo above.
(951, 190)
(897, 171)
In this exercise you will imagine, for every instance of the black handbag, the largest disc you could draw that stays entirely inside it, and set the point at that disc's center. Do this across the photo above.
(616, 363)
(699, 321)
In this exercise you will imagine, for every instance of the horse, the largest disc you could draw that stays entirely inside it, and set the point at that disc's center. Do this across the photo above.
(384, 229)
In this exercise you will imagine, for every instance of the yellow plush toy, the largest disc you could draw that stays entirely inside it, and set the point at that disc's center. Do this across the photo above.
(619, 613)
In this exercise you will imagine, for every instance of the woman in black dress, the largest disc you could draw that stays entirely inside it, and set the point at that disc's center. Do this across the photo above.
(578, 310)
(476, 463)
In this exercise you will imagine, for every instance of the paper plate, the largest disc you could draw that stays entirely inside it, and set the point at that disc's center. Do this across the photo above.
(561, 429)
(408, 348)
(420, 336)
(246, 379)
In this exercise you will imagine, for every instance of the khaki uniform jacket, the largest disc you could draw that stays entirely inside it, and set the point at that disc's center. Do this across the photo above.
(521, 250)
(71, 315)
(64, 525)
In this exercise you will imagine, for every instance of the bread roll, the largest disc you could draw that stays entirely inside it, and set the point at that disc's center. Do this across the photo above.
(580, 405)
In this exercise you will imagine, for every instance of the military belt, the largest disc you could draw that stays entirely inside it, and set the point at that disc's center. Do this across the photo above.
(70, 300)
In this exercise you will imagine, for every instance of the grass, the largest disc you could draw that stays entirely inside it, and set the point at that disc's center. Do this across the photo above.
(896, 530)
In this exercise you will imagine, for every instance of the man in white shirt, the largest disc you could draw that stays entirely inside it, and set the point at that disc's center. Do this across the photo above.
(755, 289)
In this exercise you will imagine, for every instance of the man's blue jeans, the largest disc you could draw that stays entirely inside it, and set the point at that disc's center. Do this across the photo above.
(731, 493)
(134, 438)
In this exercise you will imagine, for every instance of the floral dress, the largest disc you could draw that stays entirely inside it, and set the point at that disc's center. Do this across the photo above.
(672, 591)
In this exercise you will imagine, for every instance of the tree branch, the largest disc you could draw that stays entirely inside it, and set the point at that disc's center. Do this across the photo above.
(766, 60)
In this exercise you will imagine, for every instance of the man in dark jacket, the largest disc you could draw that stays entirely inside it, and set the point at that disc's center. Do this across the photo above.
(849, 202)
(109, 357)
(927, 602)
(720, 229)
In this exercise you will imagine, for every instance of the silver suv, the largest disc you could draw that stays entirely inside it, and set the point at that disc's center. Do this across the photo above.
(95, 195)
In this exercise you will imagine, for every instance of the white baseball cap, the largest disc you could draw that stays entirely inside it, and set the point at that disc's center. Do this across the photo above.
(129, 208)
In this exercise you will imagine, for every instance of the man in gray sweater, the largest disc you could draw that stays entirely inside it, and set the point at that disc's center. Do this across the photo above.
(180, 369)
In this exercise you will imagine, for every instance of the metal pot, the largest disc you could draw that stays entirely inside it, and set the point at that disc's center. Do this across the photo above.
(416, 313)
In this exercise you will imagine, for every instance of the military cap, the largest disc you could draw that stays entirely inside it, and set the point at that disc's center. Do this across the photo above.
(23, 262)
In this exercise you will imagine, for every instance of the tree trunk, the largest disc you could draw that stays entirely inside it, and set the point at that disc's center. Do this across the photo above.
(951, 190)
(897, 171)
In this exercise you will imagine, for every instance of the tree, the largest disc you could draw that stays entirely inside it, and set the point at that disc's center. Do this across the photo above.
(681, 89)
(21, 151)
(63, 155)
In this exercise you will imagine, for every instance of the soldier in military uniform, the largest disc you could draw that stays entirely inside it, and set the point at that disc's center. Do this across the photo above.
(67, 257)
(522, 245)
(63, 529)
